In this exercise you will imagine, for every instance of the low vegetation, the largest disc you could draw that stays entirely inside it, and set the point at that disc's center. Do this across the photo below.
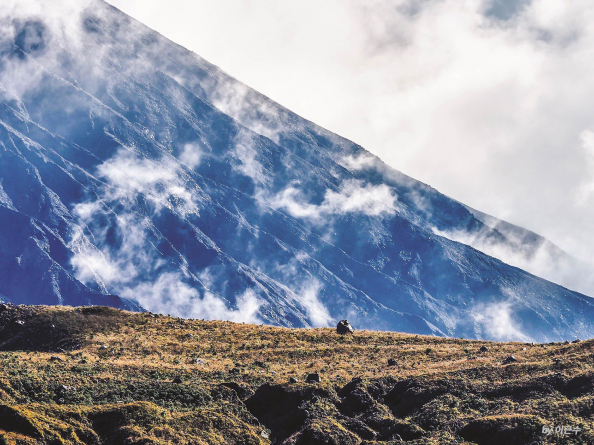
(101, 376)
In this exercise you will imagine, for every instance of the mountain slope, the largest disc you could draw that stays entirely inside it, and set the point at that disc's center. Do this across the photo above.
(145, 172)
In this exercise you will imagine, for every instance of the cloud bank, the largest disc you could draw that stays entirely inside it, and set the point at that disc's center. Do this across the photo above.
(486, 100)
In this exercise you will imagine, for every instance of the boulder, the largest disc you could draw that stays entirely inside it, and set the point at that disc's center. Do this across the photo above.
(392, 362)
(344, 327)
(293, 380)
(510, 359)
(484, 349)
(313, 378)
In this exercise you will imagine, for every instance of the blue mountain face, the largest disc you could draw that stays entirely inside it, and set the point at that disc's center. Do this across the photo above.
(131, 167)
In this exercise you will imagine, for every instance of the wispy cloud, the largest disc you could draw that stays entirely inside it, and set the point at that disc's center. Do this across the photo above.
(117, 248)
(353, 196)
(496, 321)
(540, 258)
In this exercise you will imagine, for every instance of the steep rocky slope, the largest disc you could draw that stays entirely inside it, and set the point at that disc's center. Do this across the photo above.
(131, 167)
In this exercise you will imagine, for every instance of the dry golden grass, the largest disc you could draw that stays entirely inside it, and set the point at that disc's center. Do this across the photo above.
(122, 359)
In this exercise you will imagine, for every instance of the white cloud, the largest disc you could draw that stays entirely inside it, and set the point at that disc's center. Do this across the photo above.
(487, 110)
(545, 260)
(316, 311)
(587, 189)
(496, 321)
(169, 294)
(121, 256)
(191, 155)
(245, 159)
(163, 182)
(354, 196)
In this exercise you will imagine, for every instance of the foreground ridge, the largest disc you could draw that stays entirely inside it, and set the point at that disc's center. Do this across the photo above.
(97, 375)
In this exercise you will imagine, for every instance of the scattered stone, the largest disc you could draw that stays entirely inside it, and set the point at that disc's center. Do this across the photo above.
(510, 359)
(199, 361)
(84, 361)
(484, 349)
(62, 389)
(55, 358)
(103, 347)
(235, 371)
(177, 380)
(344, 327)
(265, 434)
(313, 378)
(61, 401)
(189, 336)
(293, 380)
(566, 342)
(20, 322)
(523, 349)
(392, 362)
(577, 340)
(3, 308)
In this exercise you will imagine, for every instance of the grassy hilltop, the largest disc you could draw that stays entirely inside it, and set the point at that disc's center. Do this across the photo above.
(101, 376)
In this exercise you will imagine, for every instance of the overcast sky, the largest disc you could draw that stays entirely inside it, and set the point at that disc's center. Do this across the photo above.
(490, 102)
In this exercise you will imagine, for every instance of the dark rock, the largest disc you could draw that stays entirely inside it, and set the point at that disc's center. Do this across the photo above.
(392, 362)
(484, 349)
(313, 378)
(293, 380)
(510, 430)
(344, 327)
(242, 391)
(55, 358)
(189, 336)
(510, 359)
(355, 398)
(577, 340)
(235, 371)
(4, 307)
(177, 380)
(409, 395)
(325, 432)
(283, 408)
(103, 347)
